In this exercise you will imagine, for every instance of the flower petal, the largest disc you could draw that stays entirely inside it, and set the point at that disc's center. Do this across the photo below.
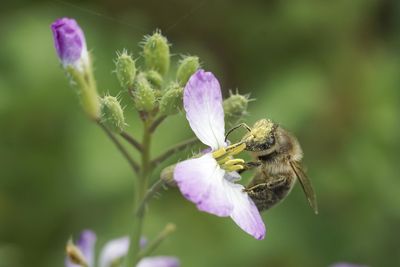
(201, 181)
(69, 41)
(245, 213)
(85, 243)
(160, 261)
(202, 101)
(113, 250)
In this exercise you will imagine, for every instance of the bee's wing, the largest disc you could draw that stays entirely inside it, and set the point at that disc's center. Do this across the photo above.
(306, 185)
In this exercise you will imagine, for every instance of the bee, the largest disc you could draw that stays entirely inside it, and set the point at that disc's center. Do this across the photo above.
(278, 158)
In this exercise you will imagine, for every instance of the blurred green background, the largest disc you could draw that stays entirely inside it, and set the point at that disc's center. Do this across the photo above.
(326, 70)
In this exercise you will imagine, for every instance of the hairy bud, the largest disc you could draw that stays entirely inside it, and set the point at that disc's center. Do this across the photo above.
(125, 69)
(156, 53)
(235, 107)
(167, 175)
(187, 66)
(154, 78)
(144, 96)
(171, 101)
(112, 114)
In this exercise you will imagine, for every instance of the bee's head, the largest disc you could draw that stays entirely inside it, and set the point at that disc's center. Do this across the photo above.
(261, 136)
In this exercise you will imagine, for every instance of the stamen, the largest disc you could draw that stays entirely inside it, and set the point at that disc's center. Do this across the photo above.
(234, 162)
(229, 151)
(233, 168)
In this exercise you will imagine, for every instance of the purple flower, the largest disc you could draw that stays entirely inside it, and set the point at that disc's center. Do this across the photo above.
(202, 180)
(70, 43)
(114, 250)
(345, 264)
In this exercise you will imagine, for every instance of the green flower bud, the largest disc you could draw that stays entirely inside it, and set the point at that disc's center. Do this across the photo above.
(167, 175)
(112, 114)
(156, 53)
(125, 69)
(235, 107)
(171, 101)
(144, 96)
(154, 78)
(187, 66)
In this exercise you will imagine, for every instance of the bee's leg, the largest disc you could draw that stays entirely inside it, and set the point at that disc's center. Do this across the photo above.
(262, 196)
(250, 165)
(276, 181)
(256, 188)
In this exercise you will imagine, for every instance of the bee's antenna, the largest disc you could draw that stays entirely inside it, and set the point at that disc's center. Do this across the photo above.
(236, 127)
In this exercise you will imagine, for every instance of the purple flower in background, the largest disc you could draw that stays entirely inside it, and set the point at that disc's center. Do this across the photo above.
(114, 250)
(202, 180)
(85, 244)
(345, 264)
(70, 43)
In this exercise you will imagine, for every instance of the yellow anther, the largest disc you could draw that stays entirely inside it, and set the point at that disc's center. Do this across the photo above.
(234, 162)
(224, 159)
(219, 153)
(233, 168)
(228, 151)
(235, 148)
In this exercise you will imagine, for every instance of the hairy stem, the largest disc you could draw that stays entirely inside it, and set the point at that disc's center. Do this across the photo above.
(172, 150)
(131, 140)
(135, 167)
(169, 228)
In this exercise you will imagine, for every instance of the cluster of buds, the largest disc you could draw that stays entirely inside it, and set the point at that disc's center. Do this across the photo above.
(152, 93)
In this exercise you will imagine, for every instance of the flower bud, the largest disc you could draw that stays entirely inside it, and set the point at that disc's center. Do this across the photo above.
(125, 69)
(144, 97)
(171, 101)
(70, 43)
(156, 53)
(187, 66)
(75, 255)
(167, 175)
(154, 78)
(235, 107)
(112, 114)
(71, 49)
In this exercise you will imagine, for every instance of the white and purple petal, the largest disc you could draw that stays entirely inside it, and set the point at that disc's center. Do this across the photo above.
(202, 100)
(159, 261)
(245, 213)
(85, 243)
(201, 181)
(113, 250)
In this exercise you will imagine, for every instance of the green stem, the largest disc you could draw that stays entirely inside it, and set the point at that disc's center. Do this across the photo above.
(169, 228)
(131, 140)
(173, 150)
(149, 194)
(135, 167)
(134, 248)
(156, 123)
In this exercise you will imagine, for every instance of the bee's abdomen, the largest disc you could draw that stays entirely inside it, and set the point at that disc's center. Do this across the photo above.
(267, 191)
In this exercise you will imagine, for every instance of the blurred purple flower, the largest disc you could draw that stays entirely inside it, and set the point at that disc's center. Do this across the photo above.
(85, 244)
(201, 180)
(115, 249)
(70, 43)
(345, 264)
